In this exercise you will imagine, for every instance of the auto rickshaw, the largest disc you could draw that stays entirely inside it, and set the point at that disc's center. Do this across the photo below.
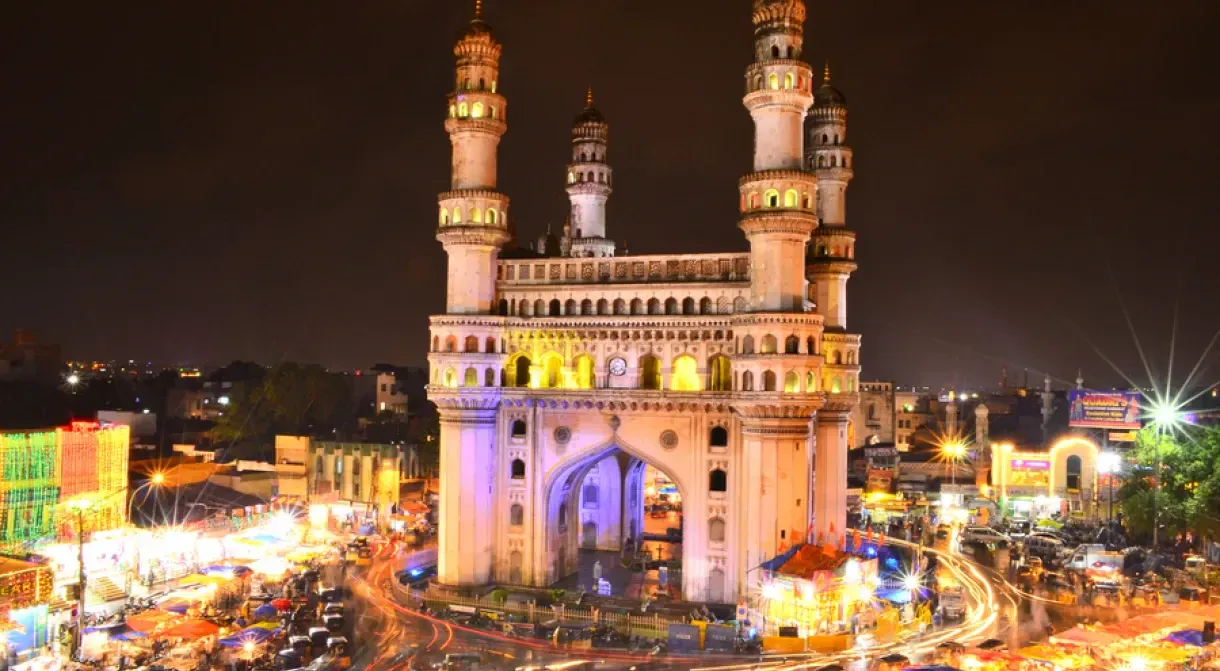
(339, 649)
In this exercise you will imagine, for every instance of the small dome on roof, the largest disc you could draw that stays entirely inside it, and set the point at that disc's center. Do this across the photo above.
(477, 25)
(589, 114)
(827, 95)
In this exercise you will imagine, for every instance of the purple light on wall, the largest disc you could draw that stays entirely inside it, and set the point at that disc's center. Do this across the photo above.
(1031, 464)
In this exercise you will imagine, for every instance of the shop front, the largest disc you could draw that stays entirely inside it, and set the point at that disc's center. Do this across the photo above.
(1036, 484)
(814, 589)
(26, 589)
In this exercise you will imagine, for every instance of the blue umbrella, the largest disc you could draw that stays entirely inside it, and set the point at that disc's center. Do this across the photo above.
(1186, 637)
(266, 610)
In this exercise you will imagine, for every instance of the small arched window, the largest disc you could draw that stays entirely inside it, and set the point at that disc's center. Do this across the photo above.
(650, 372)
(774, 51)
(825, 138)
(583, 157)
(491, 111)
(471, 344)
(747, 381)
(792, 382)
(654, 306)
(493, 217)
(489, 377)
(705, 306)
(590, 495)
(747, 345)
(571, 177)
(715, 530)
(717, 480)
(451, 343)
(770, 344)
(769, 382)
(516, 515)
(476, 110)
(671, 306)
(789, 81)
(470, 378)
(792, 198)
(771, 198)
(518, 469)
(444, 217)
(620, 306)
(792, 345)
(773, 81)
(457, 215)
(570, 307)
(518, 430)
(482, 84)
(603, 306)
(463, 110)
(719, 437)
(556, 309)
(821, 161)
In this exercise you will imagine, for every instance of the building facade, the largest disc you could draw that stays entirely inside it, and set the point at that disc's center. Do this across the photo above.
(365, 473)
(44, 469)
(872, 421)
(735, 375)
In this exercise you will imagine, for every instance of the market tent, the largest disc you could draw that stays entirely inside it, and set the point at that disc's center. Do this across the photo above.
(266, 610)
(175, 605)
(1045, 653)
(269, 626)
(1186, 637)
(192, 628)
(1080, 635)
(150, 619)
(281, 604)
(129, 636)
(255, 634)
(1168, 654)
(202, 579)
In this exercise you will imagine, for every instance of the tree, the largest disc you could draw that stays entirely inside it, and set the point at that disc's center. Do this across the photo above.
(1189, 493)
(290, 399)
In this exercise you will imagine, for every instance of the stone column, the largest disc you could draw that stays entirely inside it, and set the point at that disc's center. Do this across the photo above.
(775, 465)
(467, 524)
(830, 474)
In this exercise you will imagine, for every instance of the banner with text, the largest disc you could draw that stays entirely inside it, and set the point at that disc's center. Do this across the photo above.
(1104, 409)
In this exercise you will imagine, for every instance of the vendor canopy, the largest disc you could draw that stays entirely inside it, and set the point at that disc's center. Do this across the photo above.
(1080, 635)
(193, 628)
(255, 634)
(149, 620)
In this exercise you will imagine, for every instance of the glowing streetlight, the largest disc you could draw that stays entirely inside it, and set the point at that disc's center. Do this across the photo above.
(158, 478)
(73, 380)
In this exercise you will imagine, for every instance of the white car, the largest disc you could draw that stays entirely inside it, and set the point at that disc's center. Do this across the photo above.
(984, 535)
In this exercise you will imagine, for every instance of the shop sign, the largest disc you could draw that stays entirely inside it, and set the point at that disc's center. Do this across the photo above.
(880, 452)
(720, 638)
(1091, 409)
(25, 588)
(683, 638)
(1031, 465)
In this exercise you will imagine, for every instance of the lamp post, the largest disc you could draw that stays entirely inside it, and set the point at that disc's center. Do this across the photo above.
(156, 480)
(79, 507)
(1109, 463)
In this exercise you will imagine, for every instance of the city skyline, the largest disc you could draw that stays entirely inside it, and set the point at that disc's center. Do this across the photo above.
(246, 208)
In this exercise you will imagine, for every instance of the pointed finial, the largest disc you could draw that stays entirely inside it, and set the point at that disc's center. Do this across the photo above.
(478, 10)
(589, 99)
(826, 74)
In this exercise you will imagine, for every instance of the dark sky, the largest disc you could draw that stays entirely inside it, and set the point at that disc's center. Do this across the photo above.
(201, 181)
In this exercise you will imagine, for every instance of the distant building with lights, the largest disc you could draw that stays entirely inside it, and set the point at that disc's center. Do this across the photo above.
(734, 374)
(363, 475)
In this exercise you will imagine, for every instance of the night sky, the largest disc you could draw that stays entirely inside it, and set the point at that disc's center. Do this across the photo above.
(203, 181)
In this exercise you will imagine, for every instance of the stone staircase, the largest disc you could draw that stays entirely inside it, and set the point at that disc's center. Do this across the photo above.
(104, 590)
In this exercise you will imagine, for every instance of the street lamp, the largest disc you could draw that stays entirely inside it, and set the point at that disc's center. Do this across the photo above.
(156, 480)
(1166, 415)
(1110, 464)
(79, 507)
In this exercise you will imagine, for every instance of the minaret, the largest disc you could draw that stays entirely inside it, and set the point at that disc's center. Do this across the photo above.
(951, 420)
(832, 254)
(473, 227)
(473, 215)
(1048, 408)
(777, 198)
(982, 444)
(589, 178)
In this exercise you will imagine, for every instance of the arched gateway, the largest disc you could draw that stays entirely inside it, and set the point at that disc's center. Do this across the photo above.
(733, 374)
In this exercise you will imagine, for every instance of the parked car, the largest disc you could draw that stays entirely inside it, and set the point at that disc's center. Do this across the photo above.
(1048, 548)
(984, 535)
(1019, 527)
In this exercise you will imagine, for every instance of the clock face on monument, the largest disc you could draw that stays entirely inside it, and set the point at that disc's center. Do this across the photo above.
(618, 366)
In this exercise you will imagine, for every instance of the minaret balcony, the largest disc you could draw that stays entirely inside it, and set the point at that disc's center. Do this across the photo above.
(795, 223)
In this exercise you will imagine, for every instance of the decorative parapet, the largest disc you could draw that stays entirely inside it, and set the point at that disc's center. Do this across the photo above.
(625, 270)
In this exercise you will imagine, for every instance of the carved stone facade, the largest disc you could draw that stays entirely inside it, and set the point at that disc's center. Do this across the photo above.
(562, 377)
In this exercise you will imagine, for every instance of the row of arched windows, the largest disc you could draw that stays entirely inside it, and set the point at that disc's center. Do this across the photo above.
(769, 344)
(594, 157)
(771, 198)
(601, 177)
(468, 84)
(474, 110)
(836, 357)
(833, 162)
(770, 382)
(788, 82)
(637, 306)
(477, 216)
(826, 139)
(684, 375)
(790, 53)
(834, 251)
(470, 345)
(516, 518)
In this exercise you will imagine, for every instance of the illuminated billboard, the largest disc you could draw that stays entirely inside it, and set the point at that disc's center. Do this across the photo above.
(1104, 409)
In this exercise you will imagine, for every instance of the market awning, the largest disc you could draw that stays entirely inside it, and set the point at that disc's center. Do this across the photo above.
(1186, 637)
(1079, 635)
(150, 619)
(192, 629)
(175, 605)
(254, 634)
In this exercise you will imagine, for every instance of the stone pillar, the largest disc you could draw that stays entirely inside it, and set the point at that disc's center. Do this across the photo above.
(467, 448)
(776, 462)
(830, 474)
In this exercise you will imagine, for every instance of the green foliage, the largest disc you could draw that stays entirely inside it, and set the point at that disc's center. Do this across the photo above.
(1189, 495)
(557, 594)
(290, 399)
(498, 595)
